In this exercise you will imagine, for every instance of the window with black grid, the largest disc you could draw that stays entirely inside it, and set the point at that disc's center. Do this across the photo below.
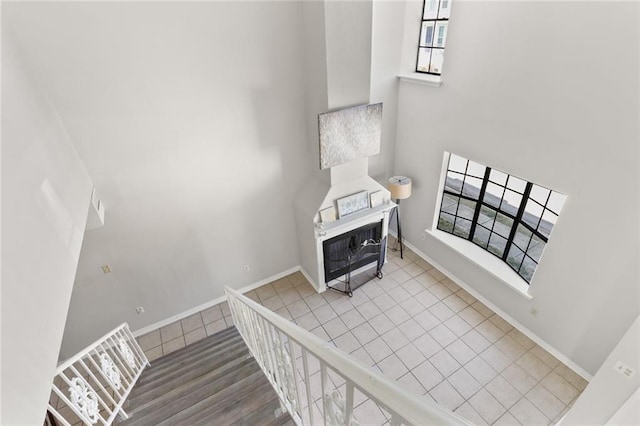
(503, 214)
(433, 36)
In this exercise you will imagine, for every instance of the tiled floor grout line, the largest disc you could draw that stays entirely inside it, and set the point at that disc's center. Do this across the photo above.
(387, 300)
(461, 365)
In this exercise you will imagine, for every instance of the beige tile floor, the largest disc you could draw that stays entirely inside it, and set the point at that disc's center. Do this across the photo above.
(174, 336)
(421, 329)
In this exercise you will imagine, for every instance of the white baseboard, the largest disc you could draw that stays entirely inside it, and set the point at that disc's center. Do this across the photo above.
(546, 346)
(308, 277)
(216, 301)
(524, 330)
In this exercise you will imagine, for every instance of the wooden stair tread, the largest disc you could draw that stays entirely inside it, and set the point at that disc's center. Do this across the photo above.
(237, 400)
(167, 394)
(203, 363)
(184, 356)
(270, 410)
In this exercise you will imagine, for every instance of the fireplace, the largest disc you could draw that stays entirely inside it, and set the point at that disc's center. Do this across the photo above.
(352, 250)
(321, 242)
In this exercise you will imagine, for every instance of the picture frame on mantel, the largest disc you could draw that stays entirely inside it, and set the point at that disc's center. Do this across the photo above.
(328, 215)
(376, 198)
(352, 203)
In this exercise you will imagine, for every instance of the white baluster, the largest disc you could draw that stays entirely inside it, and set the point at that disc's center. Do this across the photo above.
(292, 366)
(336, 410)
(307, 384)
(124, 358)
(323, 386)
(273, 348)
(99, 400)
(129, 354)
(284, 368)
(99, 370)
(110, 371)
(261, 346)
(136, 347)
(82, 400)
(271, 363)
(126, 377)
(250, 333)
(102, 388)
(58, 416)
(256, 334)
(70, 404)
(348, 415)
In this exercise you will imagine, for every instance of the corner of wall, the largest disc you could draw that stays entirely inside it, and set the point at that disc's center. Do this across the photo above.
(45, 201)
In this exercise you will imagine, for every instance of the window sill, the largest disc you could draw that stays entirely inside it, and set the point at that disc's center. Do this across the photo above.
(486, 261)
(423, 79)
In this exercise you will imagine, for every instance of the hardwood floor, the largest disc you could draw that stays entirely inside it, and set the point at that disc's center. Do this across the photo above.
(211, 382)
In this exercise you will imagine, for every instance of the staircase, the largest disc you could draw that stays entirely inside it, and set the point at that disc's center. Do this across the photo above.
(213, 381)
(217, 382)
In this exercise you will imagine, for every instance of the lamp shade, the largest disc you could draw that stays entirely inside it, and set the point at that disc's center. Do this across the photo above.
(400, 187)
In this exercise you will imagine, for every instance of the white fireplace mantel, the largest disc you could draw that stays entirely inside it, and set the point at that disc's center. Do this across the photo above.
(346, 224)
(318, 194)
(355, 220)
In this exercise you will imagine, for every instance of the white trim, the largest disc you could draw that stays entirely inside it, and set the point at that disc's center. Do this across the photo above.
(524, 330)
(480, 257)
(422, 79)
(485, 260)
(216, 301)
(311, 281)
(267, 280)
(546, 346)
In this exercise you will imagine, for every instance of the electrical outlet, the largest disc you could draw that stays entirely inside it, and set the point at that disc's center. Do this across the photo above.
(624, 369)
(246, 267)
(140, 310)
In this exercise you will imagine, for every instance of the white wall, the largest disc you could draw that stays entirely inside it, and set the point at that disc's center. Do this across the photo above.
(45, 200)
(609, 390)
(338, 42)
(190, 117)
(387, 44)
(522, 94)
(317, 183)
(316, 84)
(348, 40)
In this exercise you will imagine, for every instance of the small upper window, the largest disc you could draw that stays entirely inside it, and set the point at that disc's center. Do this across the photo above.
(433, 36)
(505, 215)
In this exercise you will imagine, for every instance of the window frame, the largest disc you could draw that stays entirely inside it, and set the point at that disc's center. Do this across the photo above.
(435, 34)
(517, 218)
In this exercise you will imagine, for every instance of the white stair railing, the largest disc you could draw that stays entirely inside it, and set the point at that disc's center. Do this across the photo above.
(93, 385)
(321, 385)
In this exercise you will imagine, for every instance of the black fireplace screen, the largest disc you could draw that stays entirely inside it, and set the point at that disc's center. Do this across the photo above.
(346, 252)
